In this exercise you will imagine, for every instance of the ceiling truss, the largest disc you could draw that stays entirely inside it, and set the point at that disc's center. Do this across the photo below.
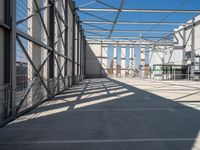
(96, 26)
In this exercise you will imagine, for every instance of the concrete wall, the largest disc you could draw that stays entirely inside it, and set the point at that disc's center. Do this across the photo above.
(197, 36)
(171, 53)
(176, 54)
(109, 61)
(156, 56)
(94, 62)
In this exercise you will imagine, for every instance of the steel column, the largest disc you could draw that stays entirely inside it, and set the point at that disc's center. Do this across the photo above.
(192, 49)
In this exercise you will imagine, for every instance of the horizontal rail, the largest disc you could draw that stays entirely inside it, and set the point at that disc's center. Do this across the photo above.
(133, 23)
(132, 31)
(138, 10)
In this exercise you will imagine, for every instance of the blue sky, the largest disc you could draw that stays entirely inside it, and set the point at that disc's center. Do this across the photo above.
(137, 4)
(142, 4)
(140, 17)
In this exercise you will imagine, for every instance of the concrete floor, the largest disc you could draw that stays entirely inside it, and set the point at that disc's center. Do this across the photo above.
(112, 114)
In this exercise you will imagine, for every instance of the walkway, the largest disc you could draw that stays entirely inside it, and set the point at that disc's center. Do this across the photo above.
(111, 114)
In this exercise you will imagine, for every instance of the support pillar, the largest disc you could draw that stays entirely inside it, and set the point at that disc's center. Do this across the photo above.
(34, 51)
(114, 60)
(2, 41)
(192, 50)
(123, 61)
(132, 61)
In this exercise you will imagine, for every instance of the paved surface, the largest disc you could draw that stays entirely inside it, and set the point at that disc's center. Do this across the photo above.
(112, 114)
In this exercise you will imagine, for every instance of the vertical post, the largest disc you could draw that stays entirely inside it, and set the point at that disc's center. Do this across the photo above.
(73, 45)
(52, 41)
(100, 68)
(184, 45)
(10, 52)
(140, 72)
(174, 73)
(123, 60)
(84, 53)
(81, 48)
(192, 49)
(132, 60)
(165, 47)
(78, 48)
(66, 41)
(114, 59)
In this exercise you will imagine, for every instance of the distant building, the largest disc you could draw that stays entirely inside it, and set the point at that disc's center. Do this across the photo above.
(21, 75)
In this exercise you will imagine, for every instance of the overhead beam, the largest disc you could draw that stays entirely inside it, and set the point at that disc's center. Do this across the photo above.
(132, 31)
(117, 17)
(138, 10)
(123, 37)
(89, 41)
(133, 22)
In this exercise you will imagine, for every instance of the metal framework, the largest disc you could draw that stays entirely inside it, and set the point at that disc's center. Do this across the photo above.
(44, 45)
(100, 29)
(99, 20)
(44, 53)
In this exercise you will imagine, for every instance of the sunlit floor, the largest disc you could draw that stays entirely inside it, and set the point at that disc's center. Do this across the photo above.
(112, 114)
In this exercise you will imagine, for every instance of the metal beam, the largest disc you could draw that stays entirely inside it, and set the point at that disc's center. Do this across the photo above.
(117, 17)
(10, 54)
(138, 10)
(106, 4)
(132, 31)
(66, 38)
(125, 43)
(5, 26)
(51, 44)
(123, 37)
(32, 64)
(73, 44)
(95, 16)
(128, 41)
(32, 39)
(33, 14)
(192, 68)
(133, 22)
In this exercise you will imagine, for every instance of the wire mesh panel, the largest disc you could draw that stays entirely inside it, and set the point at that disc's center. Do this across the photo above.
(5, 101)
(47, 52)
(37, 47)
(32, 74)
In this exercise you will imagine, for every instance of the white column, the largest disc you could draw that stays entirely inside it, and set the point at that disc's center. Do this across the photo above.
(45, 70)
(118, 67)
(132, 61)
(34, 51)
(104, 60)
(123, 61)
(142, 60)
(59, 47)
